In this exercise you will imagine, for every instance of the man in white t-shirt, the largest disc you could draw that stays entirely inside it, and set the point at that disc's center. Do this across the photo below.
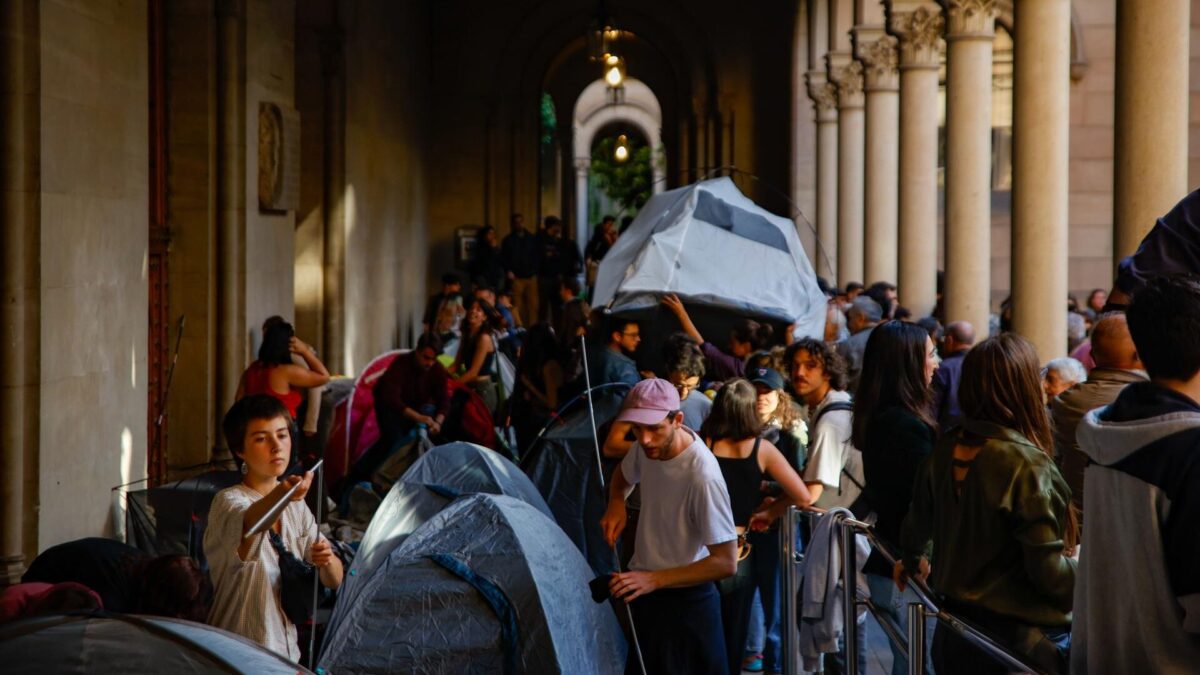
(685, 537)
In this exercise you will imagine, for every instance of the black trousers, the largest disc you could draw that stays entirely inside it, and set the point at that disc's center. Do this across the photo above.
(1045, 647)
(679, 630)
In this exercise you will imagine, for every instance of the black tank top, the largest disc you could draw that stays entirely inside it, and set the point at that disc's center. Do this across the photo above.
(743, 479)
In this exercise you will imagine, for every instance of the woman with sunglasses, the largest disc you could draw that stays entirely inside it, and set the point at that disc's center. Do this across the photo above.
(746, 460)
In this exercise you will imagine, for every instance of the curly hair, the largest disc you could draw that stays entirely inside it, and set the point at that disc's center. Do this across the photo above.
(831, 362)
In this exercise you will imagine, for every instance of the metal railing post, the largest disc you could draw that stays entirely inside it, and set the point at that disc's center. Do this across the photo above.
(916, 638)
(849, 595)
(789, 576)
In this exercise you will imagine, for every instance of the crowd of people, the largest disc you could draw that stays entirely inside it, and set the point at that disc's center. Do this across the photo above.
(969, 458)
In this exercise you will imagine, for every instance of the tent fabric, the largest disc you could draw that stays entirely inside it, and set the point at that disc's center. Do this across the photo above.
(170, 519)
(422, 492)
(683, 241)
(355, 428)
(123, 643)
(562, 465)
(413, 615)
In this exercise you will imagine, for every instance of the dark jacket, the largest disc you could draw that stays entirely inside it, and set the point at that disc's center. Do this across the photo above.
(558, 257)
(1137, 599)
(487, 266)
(519, 253)
(1171, 247)
(945, 391)
(1069, 407)
(404, 385)
(998, 545)
(897, 442)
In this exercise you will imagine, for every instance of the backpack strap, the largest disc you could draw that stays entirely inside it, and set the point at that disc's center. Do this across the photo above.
(833, 407)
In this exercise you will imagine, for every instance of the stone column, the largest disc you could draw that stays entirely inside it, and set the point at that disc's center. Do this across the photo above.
(969, 33)
(1041, 126)
(1150, 167)
(231, 204)
(847, 74)
(333, 239)
(824, 96)
(882, 88)
(919, 31)
(20, 318)
(582, 165)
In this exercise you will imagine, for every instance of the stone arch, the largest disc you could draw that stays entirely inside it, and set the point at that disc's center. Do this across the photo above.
(593, 111)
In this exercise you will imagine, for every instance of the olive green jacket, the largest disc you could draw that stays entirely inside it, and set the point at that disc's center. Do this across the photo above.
(999, 545)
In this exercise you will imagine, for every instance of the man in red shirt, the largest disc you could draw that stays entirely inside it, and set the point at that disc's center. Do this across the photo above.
(413, 391)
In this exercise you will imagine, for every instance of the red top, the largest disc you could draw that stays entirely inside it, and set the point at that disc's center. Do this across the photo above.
(258, 381)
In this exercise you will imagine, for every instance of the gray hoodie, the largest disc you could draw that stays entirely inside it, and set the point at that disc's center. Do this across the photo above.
(1137, 592)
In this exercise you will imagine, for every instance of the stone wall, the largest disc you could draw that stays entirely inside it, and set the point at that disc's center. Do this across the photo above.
(384, 200)
(270, 257)
(94, 229)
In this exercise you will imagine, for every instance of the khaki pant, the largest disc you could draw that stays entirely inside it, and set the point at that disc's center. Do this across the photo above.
(525, 299)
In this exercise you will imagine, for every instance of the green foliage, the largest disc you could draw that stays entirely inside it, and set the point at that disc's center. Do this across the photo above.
(627, 183)
(549, 119)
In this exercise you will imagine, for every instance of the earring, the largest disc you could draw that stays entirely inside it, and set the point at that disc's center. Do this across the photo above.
(245, 469)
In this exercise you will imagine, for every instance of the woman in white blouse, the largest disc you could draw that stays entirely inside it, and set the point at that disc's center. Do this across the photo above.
(245, 572)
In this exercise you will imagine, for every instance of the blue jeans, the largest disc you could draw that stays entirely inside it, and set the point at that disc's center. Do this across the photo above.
(893, 603)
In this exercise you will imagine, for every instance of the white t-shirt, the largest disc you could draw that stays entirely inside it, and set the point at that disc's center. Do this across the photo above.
(830, 451)
(685, 506)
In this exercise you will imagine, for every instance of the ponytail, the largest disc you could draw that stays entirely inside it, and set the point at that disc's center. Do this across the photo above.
(757, 334)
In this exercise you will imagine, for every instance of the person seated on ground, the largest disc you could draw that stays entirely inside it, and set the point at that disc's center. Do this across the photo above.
(1117, 365)
(1060, 375)
(174, 586)
(25, 600)
(246, 572)
(1137, 595)
(451, 286)
(956, 342)
(685, 539)
(488, 295)
(995, 512)
(780, 416)
(413, 391)
(748, 336)
(312, 403)
(473, 363)
(448, 321)
(684, 364)
(611, 362)
(274, 374)
(539, 376)
(862, 317)
(107, 566)
(733, 431)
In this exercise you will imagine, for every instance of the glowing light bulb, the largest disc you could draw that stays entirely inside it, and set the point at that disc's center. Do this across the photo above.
(613, 77)
(621, 153)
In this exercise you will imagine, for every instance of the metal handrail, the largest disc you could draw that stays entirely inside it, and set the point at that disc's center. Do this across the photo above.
(917, 611)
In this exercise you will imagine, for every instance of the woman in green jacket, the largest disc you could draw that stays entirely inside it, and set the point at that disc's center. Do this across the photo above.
(990, 522)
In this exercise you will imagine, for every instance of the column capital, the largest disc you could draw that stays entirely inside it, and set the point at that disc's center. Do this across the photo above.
(823, 94)
(970, 19)
(920, 36)
(847, 75)
(881, 63)
(583, 165)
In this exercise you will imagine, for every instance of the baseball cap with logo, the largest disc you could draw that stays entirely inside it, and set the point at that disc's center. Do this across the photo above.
(649, 402)
(768, 377)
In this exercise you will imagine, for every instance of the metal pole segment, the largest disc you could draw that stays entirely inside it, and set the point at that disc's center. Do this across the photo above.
(849, 595)
(916, 638)
(788, 567)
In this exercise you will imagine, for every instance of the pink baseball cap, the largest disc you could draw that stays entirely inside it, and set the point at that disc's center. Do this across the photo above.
(649, 402)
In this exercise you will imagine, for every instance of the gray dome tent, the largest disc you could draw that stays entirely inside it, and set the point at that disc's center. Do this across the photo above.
(562, 464)
(124, 643)
(489, 584)
(432, 482)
